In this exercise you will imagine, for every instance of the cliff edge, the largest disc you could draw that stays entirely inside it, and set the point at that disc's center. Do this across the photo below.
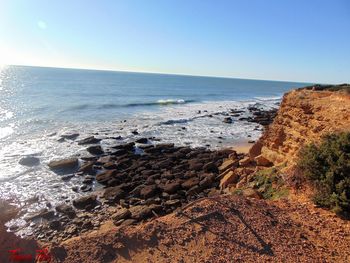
(305, 115)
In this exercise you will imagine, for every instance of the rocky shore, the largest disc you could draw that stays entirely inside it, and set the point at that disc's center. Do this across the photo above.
(131, 182)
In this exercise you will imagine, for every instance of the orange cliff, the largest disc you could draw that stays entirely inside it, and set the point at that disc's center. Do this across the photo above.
(305, 115)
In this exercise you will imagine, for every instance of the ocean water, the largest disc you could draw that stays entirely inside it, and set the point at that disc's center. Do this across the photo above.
(38, 105)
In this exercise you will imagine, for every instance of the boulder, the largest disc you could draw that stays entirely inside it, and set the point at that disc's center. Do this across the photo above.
(190, 183)
(230, 178)
(64, 164)
(29, 161)
(85, 202)
(95, 150)
(122, 213)
(89, 140)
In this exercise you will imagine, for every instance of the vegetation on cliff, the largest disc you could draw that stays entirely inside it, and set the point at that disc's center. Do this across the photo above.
(328, 166)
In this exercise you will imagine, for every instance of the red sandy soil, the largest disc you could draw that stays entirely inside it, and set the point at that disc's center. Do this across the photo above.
(220, 229)
(9, 241)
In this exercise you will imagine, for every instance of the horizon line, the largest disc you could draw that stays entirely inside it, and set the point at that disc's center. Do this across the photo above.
(162, 73)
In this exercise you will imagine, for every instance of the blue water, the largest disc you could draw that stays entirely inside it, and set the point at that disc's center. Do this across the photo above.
(50, 94)
(38, 105)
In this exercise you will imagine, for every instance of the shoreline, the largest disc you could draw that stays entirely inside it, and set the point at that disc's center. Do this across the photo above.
(192, 172)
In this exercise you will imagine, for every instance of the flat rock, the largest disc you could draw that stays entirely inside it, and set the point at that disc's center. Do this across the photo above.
(227, 164)
(29, 161)
(64, 164)
(70, 136)
(89, 140)
(230, 178)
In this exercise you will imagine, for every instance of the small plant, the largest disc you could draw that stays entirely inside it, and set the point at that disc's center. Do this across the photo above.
(327, 165)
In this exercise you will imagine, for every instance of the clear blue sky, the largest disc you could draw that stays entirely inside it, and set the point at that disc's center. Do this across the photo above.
(300, 40)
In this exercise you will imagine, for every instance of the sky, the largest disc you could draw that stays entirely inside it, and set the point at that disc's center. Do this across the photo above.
(295, 40)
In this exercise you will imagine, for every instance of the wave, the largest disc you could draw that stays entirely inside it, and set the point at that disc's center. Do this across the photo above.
(161, 102)
(268, 98)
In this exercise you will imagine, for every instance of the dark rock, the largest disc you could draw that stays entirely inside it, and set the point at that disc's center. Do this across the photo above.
(126, 146)
(190, 183)
(70, 136)
(171, 188)
(64, 164)
(29, 161)
(195, 165)
(95, 150)
(114, 193)
(121, 214)
(55, 224)
(135, 132)
(67, 177)
(194, 190)
(66, 209)
(207, 181)
(89, 140)
(148, 191)
(85, 202)
(227, 120)
(210, 167)
(87, 167)
(110, 166)
(142, 140)
(104, 177)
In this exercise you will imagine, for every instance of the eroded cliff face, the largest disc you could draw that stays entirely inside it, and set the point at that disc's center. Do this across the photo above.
(305, 115)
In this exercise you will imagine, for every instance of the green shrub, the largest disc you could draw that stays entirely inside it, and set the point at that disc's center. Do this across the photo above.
(328, 167)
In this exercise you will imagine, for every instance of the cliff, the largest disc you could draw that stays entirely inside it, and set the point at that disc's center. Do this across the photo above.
(305, 115)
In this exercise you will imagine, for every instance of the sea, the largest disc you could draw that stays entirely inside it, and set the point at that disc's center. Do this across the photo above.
(38, 105)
